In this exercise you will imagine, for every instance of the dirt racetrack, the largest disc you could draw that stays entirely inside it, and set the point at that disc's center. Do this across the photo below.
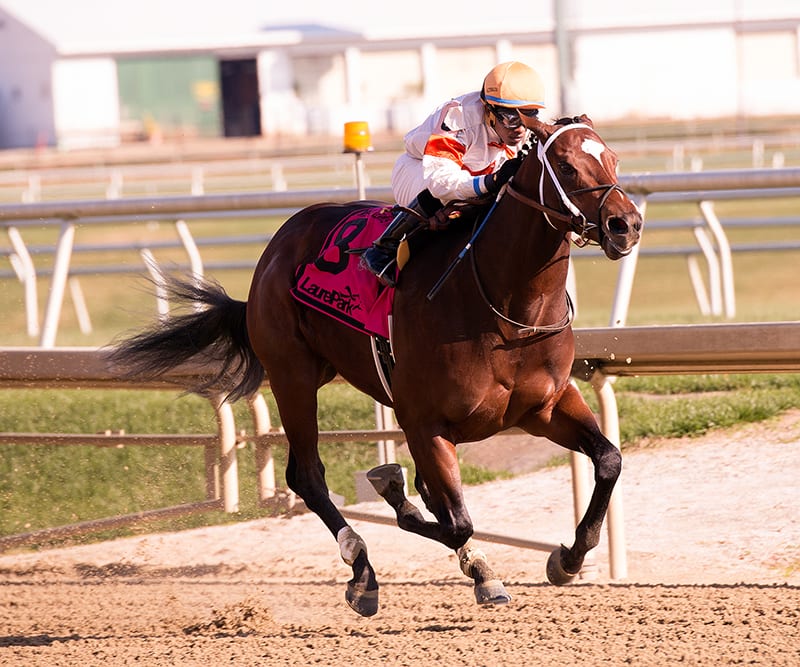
(713, 538)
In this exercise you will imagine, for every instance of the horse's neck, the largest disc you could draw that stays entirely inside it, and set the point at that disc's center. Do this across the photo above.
(531, 243)
(523, 262)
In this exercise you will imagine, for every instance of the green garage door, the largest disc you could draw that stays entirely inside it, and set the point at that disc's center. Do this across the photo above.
(175, 96)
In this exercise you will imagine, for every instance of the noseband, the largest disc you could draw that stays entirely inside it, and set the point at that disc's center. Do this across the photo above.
(576, 220)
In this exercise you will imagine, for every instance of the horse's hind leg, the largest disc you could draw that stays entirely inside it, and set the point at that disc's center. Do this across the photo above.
(573, 426)
(295, 394)
(439, 483)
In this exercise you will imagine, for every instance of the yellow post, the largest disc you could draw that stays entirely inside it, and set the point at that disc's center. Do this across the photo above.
(357, 140)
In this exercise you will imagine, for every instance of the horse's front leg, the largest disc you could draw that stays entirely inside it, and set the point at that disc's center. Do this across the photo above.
(573, 425)
(439, 483)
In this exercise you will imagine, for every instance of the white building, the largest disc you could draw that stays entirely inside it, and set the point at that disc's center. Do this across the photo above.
(86, 72)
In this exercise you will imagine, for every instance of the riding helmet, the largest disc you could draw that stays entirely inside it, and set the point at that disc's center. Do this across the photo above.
(515, 85)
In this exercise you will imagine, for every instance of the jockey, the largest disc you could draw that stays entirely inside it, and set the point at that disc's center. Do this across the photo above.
(466, 148)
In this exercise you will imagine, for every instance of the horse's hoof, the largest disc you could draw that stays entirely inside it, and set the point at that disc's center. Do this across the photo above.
(364, 603)
(556, 574)
(491, 592)
(383, 476)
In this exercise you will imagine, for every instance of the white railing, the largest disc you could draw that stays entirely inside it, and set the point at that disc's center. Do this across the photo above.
(702, 188)
(24, 368)
(600, 355)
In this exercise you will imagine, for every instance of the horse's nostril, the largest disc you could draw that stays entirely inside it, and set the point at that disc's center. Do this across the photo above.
(617, 225)
(623, 225)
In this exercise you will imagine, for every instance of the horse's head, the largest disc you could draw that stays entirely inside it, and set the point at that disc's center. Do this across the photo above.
(578, 189)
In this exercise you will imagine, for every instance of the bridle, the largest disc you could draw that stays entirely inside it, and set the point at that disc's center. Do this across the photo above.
(576, 221)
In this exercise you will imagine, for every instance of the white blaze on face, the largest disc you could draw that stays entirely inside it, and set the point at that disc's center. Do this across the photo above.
(593, 148)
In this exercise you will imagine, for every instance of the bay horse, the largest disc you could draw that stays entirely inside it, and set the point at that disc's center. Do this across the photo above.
(492, 349)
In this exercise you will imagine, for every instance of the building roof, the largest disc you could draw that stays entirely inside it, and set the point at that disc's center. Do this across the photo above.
(80, 27)
(85, 27)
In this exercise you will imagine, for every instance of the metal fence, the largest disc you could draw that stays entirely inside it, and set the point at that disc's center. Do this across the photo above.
(600, 353)
(702, 188)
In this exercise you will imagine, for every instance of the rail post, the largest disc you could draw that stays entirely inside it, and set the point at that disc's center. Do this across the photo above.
(626, 275)
(615, 519)
(26, 272)
(229, 470)
(265, 464)
(66, 240)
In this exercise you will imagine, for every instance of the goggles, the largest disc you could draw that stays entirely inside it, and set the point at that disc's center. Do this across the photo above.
(510, 118)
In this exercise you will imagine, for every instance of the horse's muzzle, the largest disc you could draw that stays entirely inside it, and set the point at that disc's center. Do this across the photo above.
(621, 233)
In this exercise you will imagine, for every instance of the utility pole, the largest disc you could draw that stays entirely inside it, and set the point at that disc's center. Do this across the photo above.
(564, 50)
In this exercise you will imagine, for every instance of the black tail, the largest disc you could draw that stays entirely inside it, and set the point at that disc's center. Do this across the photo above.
(215, 334)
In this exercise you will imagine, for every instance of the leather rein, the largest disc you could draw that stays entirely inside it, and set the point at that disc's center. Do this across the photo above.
(578, 224)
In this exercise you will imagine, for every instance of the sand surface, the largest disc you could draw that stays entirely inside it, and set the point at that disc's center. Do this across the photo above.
(713, 547)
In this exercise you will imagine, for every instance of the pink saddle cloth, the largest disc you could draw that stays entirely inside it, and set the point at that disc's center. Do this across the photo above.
(336, 285)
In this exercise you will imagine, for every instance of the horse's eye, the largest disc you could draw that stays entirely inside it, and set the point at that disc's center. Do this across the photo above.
(566, 168)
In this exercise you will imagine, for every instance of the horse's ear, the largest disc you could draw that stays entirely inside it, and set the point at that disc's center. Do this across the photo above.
(539, 129)
(583, 118)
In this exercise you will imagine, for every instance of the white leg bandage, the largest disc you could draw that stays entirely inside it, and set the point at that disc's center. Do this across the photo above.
(467, 555)
(350, 543)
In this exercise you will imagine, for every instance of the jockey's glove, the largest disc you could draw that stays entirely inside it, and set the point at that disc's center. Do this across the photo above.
(499, 178)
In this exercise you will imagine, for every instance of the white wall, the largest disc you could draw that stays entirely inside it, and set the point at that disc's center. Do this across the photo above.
(677, 75)
(282, 112)
(309, 88)
(26, 116)
(662, 73)
(770, 84)
(86, 102)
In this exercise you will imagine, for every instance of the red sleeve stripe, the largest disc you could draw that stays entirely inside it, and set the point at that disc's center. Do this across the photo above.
(446, 147)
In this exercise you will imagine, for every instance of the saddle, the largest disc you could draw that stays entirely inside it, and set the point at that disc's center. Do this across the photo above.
(336, 285)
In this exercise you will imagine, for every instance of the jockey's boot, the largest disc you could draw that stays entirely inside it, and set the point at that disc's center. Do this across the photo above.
(381, 256)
